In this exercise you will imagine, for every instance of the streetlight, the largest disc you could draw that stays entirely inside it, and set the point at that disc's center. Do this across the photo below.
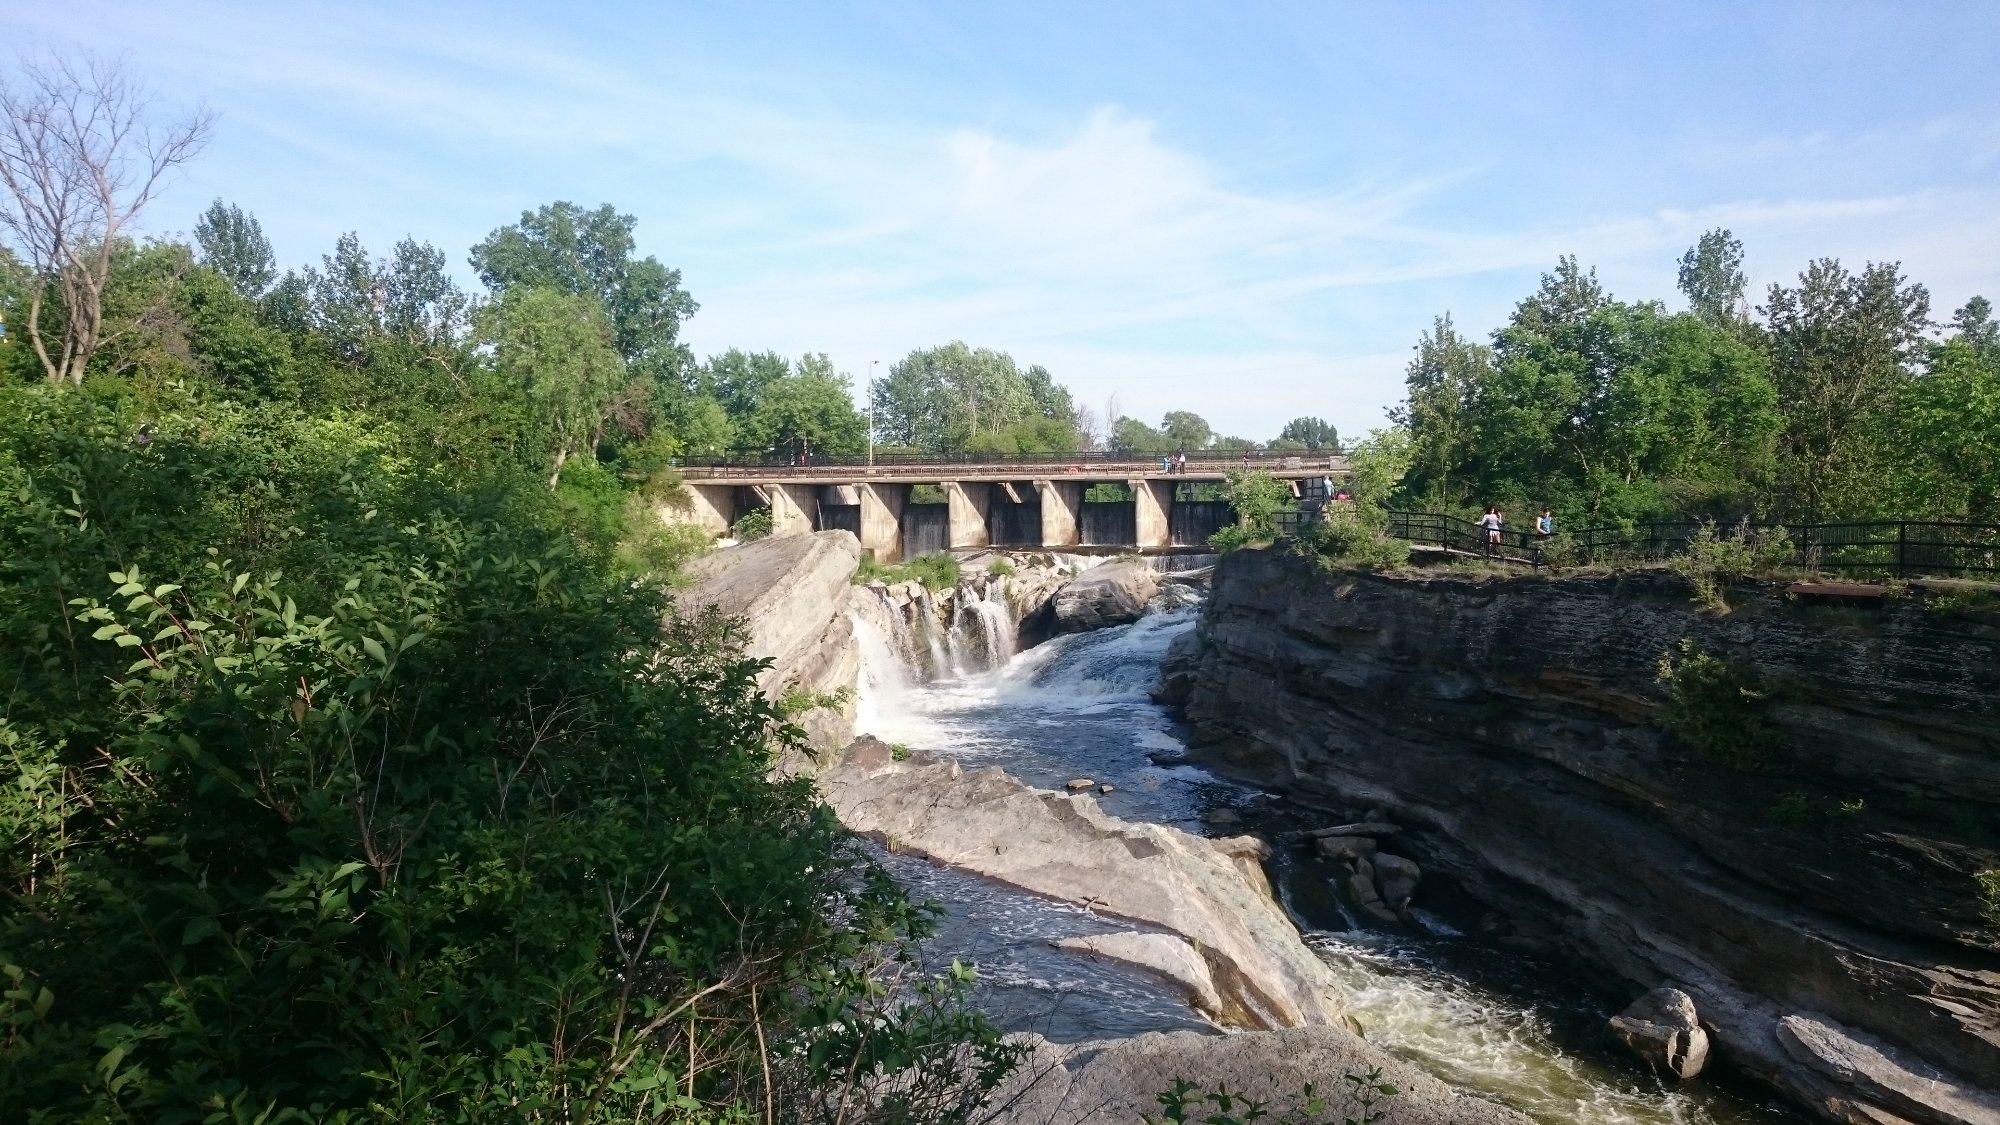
(871, 411)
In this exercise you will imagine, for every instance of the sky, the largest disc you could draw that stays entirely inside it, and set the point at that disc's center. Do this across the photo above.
(1248, 210)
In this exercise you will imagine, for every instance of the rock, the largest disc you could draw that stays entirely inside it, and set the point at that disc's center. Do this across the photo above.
(792, 593)
(1348, 848)
(1855, 1063)
(1222, 816)
(1663, 1028)
(1362, 828)
(1165, 757)
(1211, 892)
(1168, 955)
(1079, 784)
(1104, 788)
(867, 753)
(1117, 1080)
(1112, 594)
(1397, 878)
(1361, 887)
(1521, 722)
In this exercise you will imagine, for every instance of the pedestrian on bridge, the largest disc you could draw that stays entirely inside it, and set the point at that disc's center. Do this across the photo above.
(1166, 462)
(1491, 521)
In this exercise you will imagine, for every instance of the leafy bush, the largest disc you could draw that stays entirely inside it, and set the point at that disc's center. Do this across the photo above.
(752, 525)
(1713, 561)
(1349, 535)
(1231, 538)
(1989, 896)
(1715, 705)
(340, 788)
(999, 567)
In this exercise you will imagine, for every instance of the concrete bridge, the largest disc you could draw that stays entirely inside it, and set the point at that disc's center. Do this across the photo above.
(1029, 501)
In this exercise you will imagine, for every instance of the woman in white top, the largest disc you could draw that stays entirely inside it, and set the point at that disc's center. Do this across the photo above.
(1491, 522)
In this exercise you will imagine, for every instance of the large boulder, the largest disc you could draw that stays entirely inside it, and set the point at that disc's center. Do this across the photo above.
(1212, 893)
(1117, 1080)
(1663, 1028)
(1112, 594)
(792, 595)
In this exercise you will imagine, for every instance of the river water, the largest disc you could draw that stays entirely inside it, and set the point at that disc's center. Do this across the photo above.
(1473, 1014)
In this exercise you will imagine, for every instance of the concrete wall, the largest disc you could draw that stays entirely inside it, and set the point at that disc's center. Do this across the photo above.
(1154, 499)
(1060, 499)
(792, 507)
(882, 519)
(968, 512)
(711, 507)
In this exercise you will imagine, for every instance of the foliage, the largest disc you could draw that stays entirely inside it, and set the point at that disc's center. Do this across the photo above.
(1712, 278)
(810, 411)
(1185, 429)
(1352, 535)
(1258, 498)
(1311, 433)
(752, 525)
(999, 566)
(943, 399)
(1988, 883)
(1712, 560)
(1715, 705)
(232, 244)
(1185, 1103)
(342, 796)
(555, 349)
(937, 571)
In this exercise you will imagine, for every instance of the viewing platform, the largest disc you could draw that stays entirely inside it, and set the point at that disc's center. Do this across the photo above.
(1022, 501)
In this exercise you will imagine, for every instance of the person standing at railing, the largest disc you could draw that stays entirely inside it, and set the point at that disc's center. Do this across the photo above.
(1545, 526)
(1491, 521)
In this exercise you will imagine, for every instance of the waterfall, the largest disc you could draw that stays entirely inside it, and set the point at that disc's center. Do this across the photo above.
(970, 628)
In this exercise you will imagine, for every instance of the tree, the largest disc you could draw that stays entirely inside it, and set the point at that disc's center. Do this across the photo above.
(1712, 277)
(1129, 435)
(1842, 347)
(1973, 323)
(1948, 462)
(80, 158)
(1310, 433)
(232, 244)
(592, 253)
(1235, 444)
(939, 399)
(810, 410)
(1186, 430)
(737, 378)
(554, 349)
(1444, 382)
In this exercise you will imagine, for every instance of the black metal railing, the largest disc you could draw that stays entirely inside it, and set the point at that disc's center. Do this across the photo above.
(1899, 547)
(1209, 460)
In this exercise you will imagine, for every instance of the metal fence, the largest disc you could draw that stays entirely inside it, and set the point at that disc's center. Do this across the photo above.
(1899, 547)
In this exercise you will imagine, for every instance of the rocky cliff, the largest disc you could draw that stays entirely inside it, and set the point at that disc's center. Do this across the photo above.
(1793, 826)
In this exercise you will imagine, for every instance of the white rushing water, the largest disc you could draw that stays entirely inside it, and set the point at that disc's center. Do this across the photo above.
(1080, 706)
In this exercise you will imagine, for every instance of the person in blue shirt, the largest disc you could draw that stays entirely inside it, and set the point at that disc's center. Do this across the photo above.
(1545, 525)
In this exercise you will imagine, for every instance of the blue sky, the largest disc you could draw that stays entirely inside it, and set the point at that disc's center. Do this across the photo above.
(1248, 210)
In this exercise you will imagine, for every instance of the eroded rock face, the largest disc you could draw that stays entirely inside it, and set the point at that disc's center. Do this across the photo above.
(1212, 893)
(1513, 728)
(1117, 1080)
(1114, 593)
(1663, 1028)
(792, 593)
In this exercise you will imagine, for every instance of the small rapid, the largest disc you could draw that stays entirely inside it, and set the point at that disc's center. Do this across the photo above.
(1475, 1015)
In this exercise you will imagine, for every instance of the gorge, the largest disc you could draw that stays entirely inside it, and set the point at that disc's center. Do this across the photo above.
(1507, 736)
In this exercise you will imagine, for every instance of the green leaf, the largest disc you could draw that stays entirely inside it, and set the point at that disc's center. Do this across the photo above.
(199, 928)
(374, 648)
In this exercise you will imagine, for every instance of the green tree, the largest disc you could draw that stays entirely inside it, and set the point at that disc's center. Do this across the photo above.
(232, 244)
(737, 378)
(553, 349)
(1947, 460)
(1311, 433)
(1973, 323)
(811, 410)
(593, 253)
(1712, 278)
(1129, 435)
(1186, 430)
(1843, 346)
(940, 399)
(1235, 444)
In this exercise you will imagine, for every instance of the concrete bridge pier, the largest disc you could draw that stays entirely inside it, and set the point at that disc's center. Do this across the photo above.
(882, 519)
(969, 505)
(711, 507)
(1061, 503)
(792, 507)
(1153, 504)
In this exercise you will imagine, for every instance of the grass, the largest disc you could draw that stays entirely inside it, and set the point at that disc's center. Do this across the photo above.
(937, 571)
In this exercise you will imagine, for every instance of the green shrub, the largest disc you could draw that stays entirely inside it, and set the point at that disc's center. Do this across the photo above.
(1186, 1103)
(1349, 535)
(937, 571)
(999, 567)
(1715, 705)
(1232, 538)
(1712, 561)
(1988, 883)
(1794, 809)
(752, 525)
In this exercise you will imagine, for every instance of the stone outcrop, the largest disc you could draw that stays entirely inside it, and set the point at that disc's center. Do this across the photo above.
(1167, 955)
(1117, 1080)
(792, 593)
(1663, 1028)
(1211, 893)
(1114, 593)
(1817, 860)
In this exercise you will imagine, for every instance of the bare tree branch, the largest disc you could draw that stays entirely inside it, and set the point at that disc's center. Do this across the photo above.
(81, 154)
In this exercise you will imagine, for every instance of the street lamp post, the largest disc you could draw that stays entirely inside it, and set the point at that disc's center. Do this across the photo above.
(871, 411)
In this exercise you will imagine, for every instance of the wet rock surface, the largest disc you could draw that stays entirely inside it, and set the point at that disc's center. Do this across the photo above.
(1112, 593)
(1514, 728)
(1663, 1028)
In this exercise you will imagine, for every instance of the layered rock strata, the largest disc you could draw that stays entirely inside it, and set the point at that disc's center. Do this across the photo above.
(1806, 862)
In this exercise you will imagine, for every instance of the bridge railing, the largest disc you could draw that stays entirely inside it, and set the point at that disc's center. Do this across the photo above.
(1899, 547)
(901, 463)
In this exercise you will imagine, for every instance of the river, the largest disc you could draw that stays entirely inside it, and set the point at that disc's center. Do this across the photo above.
(1476, 1015)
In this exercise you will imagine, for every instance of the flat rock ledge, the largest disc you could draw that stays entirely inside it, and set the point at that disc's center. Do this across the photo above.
(1116, 1080)
(1211, 894)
